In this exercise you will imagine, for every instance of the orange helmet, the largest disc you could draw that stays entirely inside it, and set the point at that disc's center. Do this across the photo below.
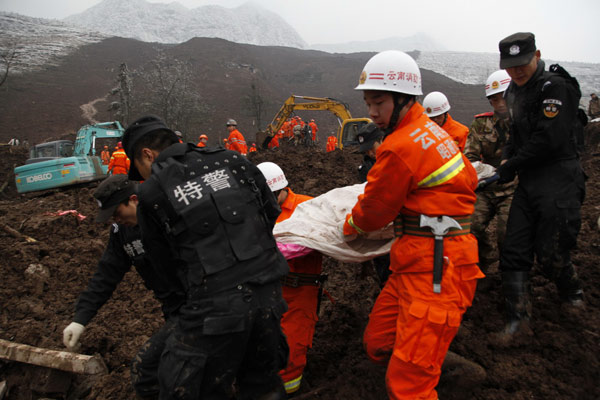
(225, 140)
(203, 137)
(106, 147)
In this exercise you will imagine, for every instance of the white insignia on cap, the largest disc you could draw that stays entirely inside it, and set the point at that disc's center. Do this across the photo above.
(99, 203)
(361, 139)
(514, 50)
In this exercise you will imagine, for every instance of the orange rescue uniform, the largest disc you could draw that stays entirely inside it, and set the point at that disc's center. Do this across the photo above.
(119, 163)
(105, 157)
(457, 131)
(419, 171)
(314, 128)
(331, 143)
(201, 144)
(298, 322)
(237, 142)
(252, 148)
(274, 141)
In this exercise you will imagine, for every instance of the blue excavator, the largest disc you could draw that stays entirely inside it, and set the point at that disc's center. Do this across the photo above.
(63, 163)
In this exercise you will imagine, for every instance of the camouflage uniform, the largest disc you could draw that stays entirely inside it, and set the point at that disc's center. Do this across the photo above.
(594, 108)
(487, 135)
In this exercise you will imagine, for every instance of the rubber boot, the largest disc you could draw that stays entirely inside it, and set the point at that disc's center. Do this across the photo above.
(515, 288)
(569, 288)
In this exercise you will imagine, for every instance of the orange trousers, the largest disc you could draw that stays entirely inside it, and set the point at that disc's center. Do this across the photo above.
(410, 328)
(298, 324)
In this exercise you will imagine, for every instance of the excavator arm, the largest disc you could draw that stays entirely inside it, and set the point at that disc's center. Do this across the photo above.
(336, 107)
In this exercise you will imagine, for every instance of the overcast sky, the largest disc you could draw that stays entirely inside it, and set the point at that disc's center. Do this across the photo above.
(566, 30)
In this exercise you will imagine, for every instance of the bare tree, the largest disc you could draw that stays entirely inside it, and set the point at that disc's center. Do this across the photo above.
(255, 103)
(122, 107)
(168, 90)
(7, 57)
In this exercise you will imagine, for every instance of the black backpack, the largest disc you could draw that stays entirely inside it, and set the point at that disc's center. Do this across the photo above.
(582, 119)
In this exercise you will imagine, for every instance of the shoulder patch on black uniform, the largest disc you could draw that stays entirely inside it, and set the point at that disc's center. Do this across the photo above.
(551, 107)
(115, 228)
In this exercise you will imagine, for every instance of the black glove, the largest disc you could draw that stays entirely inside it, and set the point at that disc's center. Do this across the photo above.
(507, 172)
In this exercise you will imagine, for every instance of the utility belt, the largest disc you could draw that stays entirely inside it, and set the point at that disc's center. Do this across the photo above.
(437, 228)
(295, 279)
(410, 225)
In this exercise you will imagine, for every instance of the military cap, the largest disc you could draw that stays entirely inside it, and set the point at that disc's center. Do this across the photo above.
(367, 136)
(110, 193)
(517, 49)
(135, 131)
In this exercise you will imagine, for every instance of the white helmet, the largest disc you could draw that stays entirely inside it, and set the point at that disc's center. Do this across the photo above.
(391, 71)
(231, 122)
(497, 82)
(436, 103)
(274, 175)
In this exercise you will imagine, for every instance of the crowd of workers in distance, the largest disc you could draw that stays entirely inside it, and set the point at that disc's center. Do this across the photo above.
(240, 309)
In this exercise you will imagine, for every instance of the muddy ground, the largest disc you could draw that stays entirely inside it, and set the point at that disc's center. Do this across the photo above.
(561, 362)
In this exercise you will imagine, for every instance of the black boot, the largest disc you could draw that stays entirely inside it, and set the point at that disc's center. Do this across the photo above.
(569, 287)
(515, 288)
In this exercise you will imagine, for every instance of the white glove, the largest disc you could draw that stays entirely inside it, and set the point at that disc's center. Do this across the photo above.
(71, 335)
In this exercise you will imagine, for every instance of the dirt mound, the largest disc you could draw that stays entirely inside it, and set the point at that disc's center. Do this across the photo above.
(560, 362)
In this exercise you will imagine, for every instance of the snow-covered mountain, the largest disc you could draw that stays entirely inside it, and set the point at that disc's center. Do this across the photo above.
(419, 41)
(174, 23)
(40, 42)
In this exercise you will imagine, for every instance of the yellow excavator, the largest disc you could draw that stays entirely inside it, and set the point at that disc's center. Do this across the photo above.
(347, 131)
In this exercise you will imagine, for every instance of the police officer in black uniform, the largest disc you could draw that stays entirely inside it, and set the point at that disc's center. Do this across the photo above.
(207, 214)
(116, 197)
(544, 218)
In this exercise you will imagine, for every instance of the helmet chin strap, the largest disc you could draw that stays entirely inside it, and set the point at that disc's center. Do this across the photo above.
(445, 118)
(397, 108)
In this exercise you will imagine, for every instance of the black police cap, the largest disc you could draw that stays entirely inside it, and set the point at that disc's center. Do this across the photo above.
(110, 193)
(517, 49)
(367, 136)
(135, 131)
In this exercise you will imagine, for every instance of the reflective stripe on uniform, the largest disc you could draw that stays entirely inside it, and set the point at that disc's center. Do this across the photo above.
(444, 173)
(293, 385)
(351, 223)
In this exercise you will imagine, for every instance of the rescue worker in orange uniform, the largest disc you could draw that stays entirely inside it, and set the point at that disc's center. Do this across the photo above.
(301, 287)
(331, 143)
(105, 156)
(236, 139)
(119, 163)
(202, 139)
(314, 129)
(437, 106)
(274, 142)
(287, 129)
(419, 172)
(179, 136)
(252, 148)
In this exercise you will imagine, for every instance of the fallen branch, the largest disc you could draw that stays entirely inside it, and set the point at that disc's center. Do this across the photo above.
(4, 185)
(17, 234)
(63, 360)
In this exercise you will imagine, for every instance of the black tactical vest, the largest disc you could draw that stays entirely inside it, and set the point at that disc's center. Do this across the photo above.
(212, 211)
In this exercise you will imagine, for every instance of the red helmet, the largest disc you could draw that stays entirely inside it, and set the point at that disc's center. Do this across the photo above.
(119, 145)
